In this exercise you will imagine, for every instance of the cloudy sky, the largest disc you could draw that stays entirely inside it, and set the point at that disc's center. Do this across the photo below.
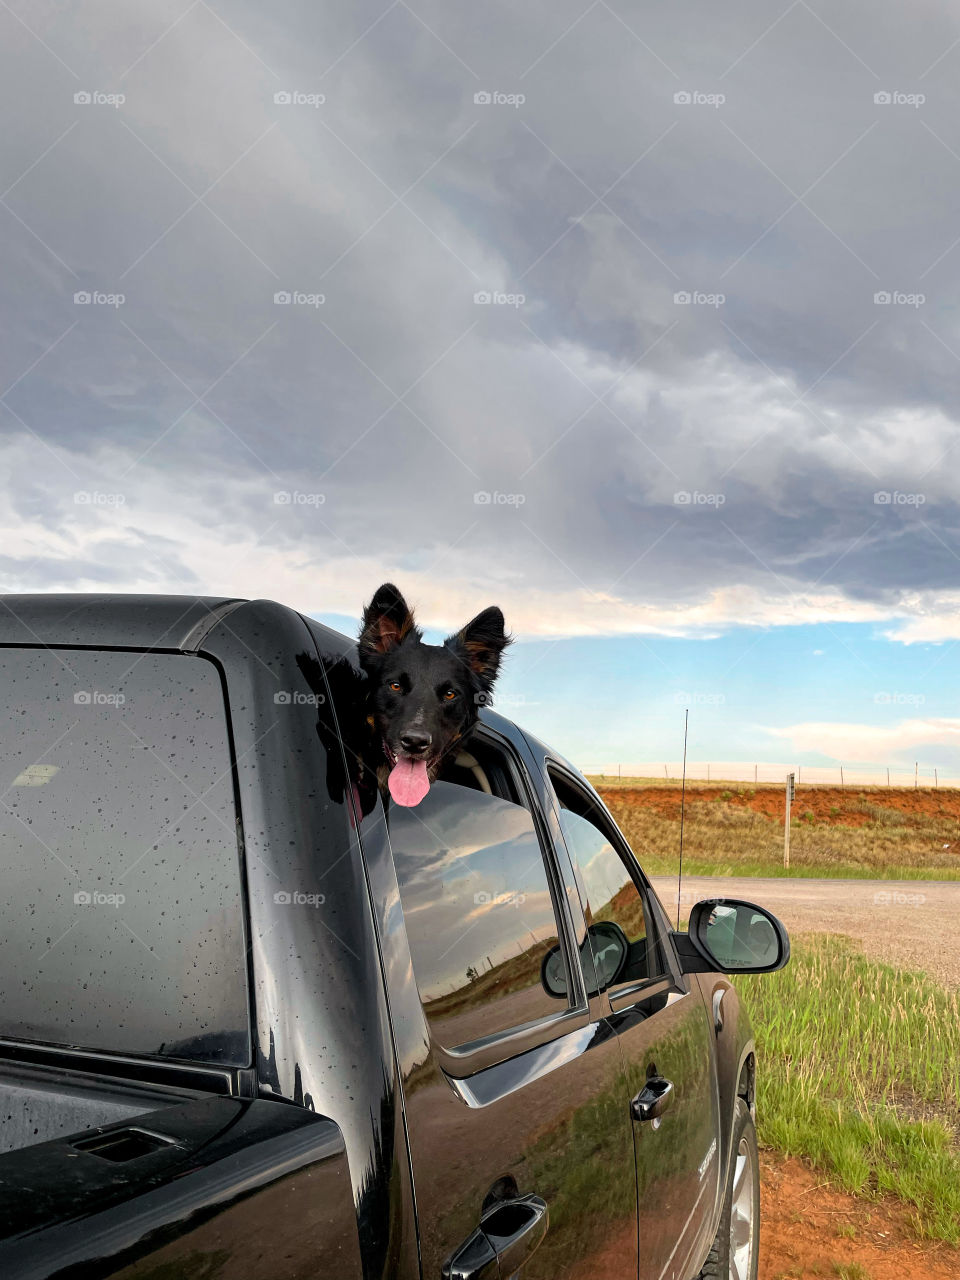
(639, 320)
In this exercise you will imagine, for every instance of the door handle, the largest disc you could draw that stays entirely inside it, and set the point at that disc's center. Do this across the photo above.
(506, 1237)
(652, 1100)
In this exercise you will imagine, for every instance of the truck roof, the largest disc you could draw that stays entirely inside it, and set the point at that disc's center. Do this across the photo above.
(114, 620)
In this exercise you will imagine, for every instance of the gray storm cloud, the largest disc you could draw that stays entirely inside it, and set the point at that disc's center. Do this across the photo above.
(643, 330)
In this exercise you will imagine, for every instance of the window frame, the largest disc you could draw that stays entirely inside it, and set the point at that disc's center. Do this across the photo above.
(501, 1046)
(629, 993)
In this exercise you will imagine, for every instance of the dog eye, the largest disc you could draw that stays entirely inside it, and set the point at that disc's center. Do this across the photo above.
(395, 686)
(449, 695)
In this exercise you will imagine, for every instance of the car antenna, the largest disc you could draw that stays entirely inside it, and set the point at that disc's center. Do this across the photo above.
(683, 796)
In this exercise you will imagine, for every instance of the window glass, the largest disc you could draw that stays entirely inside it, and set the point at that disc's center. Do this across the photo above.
(121, 921)
(478, 910)
(611, 892)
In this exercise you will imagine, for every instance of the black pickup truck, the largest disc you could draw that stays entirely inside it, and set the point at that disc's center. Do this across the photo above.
(254, 1030)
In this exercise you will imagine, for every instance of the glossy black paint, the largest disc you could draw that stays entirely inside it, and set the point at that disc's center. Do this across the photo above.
(306, 1164)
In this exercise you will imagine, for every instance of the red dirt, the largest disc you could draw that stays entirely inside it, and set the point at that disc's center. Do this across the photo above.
(833, 805)
(801, 1219)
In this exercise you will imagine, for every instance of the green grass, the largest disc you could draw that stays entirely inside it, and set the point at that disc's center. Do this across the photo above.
(859, 1072)
(655, 865)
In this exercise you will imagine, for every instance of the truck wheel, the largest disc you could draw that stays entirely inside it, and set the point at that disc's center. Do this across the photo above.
(734, 1252)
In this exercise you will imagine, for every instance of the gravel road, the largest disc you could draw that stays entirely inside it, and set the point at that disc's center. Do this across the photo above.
(911, 923)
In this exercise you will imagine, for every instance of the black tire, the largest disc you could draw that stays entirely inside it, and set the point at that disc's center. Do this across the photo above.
(726, 1261)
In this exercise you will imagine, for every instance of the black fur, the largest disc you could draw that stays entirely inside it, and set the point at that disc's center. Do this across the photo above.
(422, 700)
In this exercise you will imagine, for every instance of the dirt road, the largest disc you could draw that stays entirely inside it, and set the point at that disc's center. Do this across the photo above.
(910, 923)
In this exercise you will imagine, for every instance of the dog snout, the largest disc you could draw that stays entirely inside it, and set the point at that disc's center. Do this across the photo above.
(415, 742)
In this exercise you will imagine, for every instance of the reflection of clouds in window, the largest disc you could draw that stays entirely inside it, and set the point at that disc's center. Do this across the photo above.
(603, 872)
(473, 884)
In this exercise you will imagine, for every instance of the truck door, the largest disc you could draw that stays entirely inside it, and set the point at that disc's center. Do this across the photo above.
(659, 1020)
(522, 1155)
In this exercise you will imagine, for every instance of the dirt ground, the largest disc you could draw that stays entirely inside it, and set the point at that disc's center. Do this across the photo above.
(835, 805)
(811, 1230)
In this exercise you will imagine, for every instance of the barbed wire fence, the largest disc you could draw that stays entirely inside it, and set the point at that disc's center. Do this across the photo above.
(742, 772)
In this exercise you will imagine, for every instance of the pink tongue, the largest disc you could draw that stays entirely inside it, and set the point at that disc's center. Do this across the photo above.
(408, 782)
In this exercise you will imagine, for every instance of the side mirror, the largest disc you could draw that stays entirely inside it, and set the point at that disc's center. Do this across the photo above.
(610, 948)
(727, 935)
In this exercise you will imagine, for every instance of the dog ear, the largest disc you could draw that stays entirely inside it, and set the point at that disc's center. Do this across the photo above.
(387, 621)
(482, 642)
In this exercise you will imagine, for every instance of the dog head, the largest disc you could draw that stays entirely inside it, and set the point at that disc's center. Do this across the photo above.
(424, 698)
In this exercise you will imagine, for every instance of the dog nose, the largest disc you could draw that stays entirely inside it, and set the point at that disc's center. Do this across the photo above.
(415, 743)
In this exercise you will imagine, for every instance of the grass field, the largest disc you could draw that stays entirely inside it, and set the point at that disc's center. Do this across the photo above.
(859, 1072)
(872, 833)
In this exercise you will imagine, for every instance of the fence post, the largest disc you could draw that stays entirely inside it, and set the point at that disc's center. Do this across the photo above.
(786, 822)
(888, 776)
(754, 775)
(841, 777)
(916, 780)
(936, 780)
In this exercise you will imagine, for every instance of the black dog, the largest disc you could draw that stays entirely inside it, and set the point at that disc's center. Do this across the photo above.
(423, 699)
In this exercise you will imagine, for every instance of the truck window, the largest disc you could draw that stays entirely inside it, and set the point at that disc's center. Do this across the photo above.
(121, 919)
(612, 893)
(477, 901)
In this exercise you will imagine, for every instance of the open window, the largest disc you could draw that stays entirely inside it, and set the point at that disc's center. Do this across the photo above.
(479, 900)
(624, 941)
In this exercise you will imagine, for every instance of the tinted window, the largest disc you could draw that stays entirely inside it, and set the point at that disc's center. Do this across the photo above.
(478, 910)
(121, 922)
(609, 885)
